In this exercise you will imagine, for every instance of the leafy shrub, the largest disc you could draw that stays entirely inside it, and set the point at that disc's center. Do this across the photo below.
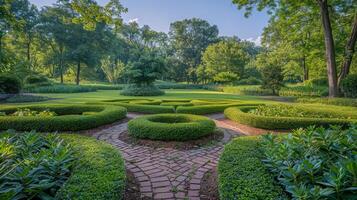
(349, 86)
(9, 85)
(253, 90)
(304, 91)
(36, 79)
(172, 85)
(168, 127)
(99, 173)
(242, 174)
(69, 117)
(25, 112)
(317, 82)
(144, 90)
(58, 88)
(249, 81)
(336, 117)
(151, 109)
(19, 98)
(330, 101)
(33, 166)
(314, 163)
(206, 109)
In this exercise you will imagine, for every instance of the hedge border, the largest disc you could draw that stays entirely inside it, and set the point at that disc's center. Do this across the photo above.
(208, 109)
(100, 172)
(149, 127)
(149, 109)
(240, 115)
(104, 115)
(243, 175)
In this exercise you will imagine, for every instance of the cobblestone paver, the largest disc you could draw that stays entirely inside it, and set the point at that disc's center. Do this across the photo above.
(165, 173)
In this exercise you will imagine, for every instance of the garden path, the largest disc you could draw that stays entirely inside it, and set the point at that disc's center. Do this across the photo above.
(166, 173)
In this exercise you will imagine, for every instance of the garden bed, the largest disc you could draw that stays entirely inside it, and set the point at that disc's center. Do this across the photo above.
(171, 127)
(65, 118)
(287, 117)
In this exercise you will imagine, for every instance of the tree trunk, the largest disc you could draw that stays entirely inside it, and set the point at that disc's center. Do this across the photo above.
(330, 48)
(349, 51)
(28, 51)
(305, 68)
(61, 69)
(78, 72)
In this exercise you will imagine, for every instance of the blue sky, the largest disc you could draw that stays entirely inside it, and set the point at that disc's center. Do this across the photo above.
(158, 14)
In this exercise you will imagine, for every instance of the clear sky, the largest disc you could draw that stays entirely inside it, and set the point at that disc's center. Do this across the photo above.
(158, 14)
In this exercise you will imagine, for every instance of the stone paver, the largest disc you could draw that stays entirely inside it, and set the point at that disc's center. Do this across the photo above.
(165, 173)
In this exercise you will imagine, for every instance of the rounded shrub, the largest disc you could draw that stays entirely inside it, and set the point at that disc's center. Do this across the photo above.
(69, 117)
(9, 85)
(349, 86)
(37, 80)
(327, 116)
(144, 90)
(171, 127)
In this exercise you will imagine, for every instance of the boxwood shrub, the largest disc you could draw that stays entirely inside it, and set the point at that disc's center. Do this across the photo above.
(69, 117)
(150, 109)
(99, 173)
(171, 127)
(241, 115)
(9, 85)
(330, 101)
(242, 174)
(206, 109)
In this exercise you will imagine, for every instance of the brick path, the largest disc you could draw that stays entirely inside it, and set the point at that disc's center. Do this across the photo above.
(165, 173)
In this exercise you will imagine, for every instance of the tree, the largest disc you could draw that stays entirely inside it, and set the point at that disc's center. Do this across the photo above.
(272, 77)
(340, 10)
(225, 56)
(112, 68)
(189, 38)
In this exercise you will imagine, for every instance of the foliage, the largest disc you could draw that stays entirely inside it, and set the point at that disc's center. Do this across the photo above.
(25, 112)
(141, 90)
(349, 86)
(315, 163)
(113, 69)
(9, 85)
(316, 82)
(61, 89)
(36, 79)
(225, 77)
(331, 101)
(249, 81)
(272, 78)
(242, 174)
(171, 127)
(333, 117)
(34, 166)
(254, 90)
(208, 109)
(99, 173)
(69, 117)
(151, 109)
(299, 90)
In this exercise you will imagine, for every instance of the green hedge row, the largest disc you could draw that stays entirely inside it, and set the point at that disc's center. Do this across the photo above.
(330, 101)
(150, 109)
(207, 109)
(242, 175)
(100, 172)
(69, 117)
(241, 115)
(171, 127)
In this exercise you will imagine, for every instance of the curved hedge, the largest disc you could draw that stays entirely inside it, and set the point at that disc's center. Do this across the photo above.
(99, 174)
(241, 115)
(70, 117)
(175, 127)
(207, 109)
(150, 109)
(242, 174)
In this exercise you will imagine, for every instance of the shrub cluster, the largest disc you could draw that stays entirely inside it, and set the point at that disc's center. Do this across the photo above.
(242, 174)
(171, 127)
(253, 90)
(21, 98)
(37, 80)
(316, 82)
(69, 117)
(330, 101)
(336, 117)
(33, 166)
(150, 109)
(9, 85)
(249, 81)
(304, 91)
(349, 86)
(147, 90)
(99, 173)
(315, 163)
(59, 88)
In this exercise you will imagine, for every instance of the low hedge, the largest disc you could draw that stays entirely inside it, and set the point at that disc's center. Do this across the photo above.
(69, 117)
(171, 127)
(143, 90)
(146, 101)
(242, 174)
(241, 115)
(176, 104)
(150, 109)
(206, 109)
(99, 174)
(330, 101)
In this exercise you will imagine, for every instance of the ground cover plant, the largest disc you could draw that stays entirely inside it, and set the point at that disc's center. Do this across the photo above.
(171, 127)
(34, 166)
(315, 163)
(51, 117)
(290, 116)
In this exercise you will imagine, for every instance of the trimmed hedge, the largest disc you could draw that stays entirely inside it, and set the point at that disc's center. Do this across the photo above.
(171, 127)
(330, 101)
(242, 175)
(207, 109)
(69, 117)
(100, 172)
(146, 101)
(136, 90)
(241, 115)
(150, 109)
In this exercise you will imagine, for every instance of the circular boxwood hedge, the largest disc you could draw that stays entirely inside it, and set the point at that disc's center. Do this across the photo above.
(337, 117)
(171, 127)
(69, 117)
